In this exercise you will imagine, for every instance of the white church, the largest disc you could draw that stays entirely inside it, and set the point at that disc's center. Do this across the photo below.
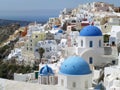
(90, 46)
(74, 74)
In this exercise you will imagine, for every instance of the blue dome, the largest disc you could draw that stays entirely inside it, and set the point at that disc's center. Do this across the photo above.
(55, 26)
(75, 65)
(90, 31)
(46, 70)
(60, 31)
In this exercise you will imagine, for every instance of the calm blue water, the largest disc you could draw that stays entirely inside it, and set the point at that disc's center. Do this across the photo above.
(29, 18)
(37, 15)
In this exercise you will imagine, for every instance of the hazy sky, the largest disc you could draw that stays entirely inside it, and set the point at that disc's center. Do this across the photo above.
(25, 8)
(16, 5)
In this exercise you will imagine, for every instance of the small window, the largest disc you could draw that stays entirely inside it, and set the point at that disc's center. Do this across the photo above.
(113, 62)
(73, 21)
(99, 43)
(91, 60)
(44, 80)
(30, 49)
(86, 84)
(36, 50)
(113, 43)
(47, 50)
(74, 85)
(50, 48)
(36, 36)
(51, 79)
(30, 44)
(81, 43)
(30, 40)
(91, 44)
(62, 82)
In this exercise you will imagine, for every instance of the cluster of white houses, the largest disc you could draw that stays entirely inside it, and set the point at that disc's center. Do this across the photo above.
(80, 51)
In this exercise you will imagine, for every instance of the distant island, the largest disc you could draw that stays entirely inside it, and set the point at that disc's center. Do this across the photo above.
(4, 22)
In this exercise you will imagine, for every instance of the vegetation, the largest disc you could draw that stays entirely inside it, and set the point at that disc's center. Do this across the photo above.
(41, 52)
(6, 31)
(8, 68)
(65, 26)
(6, 49)
(118, 48)
(106, 38)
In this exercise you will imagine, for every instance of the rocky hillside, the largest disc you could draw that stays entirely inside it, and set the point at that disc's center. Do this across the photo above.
(6, 31)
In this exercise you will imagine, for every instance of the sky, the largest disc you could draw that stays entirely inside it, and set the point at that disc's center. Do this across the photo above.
(20, 5)
(41, 7)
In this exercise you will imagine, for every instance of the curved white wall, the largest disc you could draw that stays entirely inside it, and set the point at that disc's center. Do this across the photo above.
(82, 82)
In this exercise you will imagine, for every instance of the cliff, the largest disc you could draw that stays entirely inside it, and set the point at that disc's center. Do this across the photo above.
(6, 31)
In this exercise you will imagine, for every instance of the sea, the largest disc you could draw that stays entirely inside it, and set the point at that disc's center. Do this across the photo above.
(31, 15)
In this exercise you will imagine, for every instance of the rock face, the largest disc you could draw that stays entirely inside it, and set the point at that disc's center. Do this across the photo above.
(6, 31)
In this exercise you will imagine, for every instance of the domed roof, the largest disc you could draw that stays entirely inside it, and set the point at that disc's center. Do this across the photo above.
(75, 65)
(60, 31)
(90, 31)
(55, 26)
(46, 70)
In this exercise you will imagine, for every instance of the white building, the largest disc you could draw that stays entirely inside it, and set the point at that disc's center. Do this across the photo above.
(16, 53)
(50, 47)
(47, 76)
(59, 35)
(90, 47)
(73, 38)
(115, 36)
(34, 27)
(63, 43)
(35, 33)
(114, 21)
(29, 77)
(112, 77)
(75, 74)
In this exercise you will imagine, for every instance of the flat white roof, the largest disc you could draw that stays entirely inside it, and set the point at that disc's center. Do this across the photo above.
(16, 85)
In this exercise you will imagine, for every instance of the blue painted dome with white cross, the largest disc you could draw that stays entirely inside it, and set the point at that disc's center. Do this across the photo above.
(75, 65)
